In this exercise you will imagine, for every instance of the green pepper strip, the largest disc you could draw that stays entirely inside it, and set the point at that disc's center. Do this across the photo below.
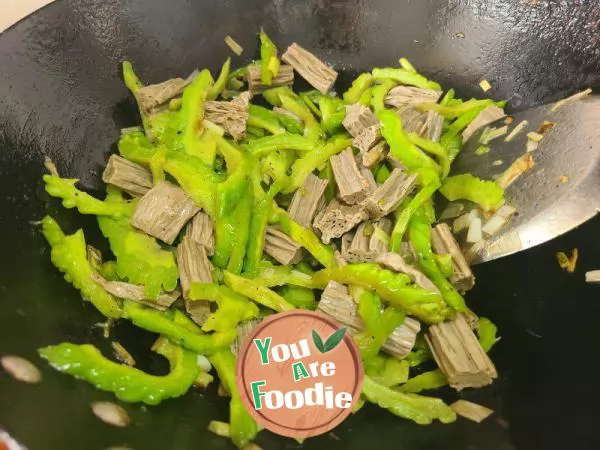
(219, 86)
(378, 324)
(269, 64)
(326, 173)
(270, 275)
(300, 297)
(411, 156)
(448, 97)
(305, 237)
(233, 308)
(407, 211)
(258, 228)
(273, 95)
(242, 217)
(452, 112)
(333, 113)
(169, 324)
(419, 233)
(69, 255)
(72, 197)
(309, 98)
(427, 380)
(256, 292)
(261, 117)
(285, 141)
(242, 428)
(420, 409)
(196, 178)
(134, 84)
(192, 112)
(379, 92)
(365, 98)
(486, 194)
(406, 65)
(127, 383)
(319, 155)
(403, 76)
(387, 370)
(312, 129)
(435, 148)
(360, 84)
(487, 333)
(391, 287)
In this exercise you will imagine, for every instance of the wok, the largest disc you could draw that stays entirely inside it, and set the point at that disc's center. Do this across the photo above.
(61, 95)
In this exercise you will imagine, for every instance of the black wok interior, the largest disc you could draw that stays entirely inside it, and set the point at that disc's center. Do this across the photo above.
(61, 95)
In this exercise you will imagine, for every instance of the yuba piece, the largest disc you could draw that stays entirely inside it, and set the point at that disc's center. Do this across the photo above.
(353, 186)
(339, 304)
(311, 68)
(232, 116)
(137, 293)
(337, 219)
(285, 77)
(485, 117)
(367, 138)
(396, 263)
(409, 95)
(307, 199)
(368, 241)
(281, 247)
(201, 230)
(459, 354)
(164, 211)
(388, 196)
(194, 267)
(444, 243)
(358, 118)
(126, 175)
(153, 97)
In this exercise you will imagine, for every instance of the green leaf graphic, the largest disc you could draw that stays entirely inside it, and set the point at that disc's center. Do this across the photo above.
(318, 341)
(333, 340)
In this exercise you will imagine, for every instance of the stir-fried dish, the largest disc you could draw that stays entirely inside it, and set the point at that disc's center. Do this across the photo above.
(240, 197)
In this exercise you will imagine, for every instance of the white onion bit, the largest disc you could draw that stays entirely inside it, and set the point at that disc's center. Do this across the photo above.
(21, 369)
(474, 234)
(593, 276)
(110, 414)
(204, 363)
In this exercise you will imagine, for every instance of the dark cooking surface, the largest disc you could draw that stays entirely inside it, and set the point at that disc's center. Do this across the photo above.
(61, 95)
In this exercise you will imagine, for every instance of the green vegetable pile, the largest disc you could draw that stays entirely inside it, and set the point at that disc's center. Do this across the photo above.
(245, 186)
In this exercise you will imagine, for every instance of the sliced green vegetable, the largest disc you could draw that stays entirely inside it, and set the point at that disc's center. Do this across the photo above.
(256, 292)
(420, 409)
(360, 84)
(486, 194)
(127, 383)
(487, 333)
(427, 380)
(69, 255)
(269, 64)
(404, 76)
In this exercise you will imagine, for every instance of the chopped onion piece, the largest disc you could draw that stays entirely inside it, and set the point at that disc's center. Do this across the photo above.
(516, 130)
(21, 369)
(463, 222)
(498, 220)
(471, 411)
(110, 414)
(203, 380)
(204, 363)
(50, 166)
(546, 126)
(485, 85)
(219, 428)
(491, 133)
(520, 166)
(531, 146)
(454, 209)
(508, 120)
(533, 136)
(563, 179)
(572, 98)
(474, 234)
(233, 45)
(482, 150)
(509, 243)
(498, 162)
(593, 276)
(122, 354)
